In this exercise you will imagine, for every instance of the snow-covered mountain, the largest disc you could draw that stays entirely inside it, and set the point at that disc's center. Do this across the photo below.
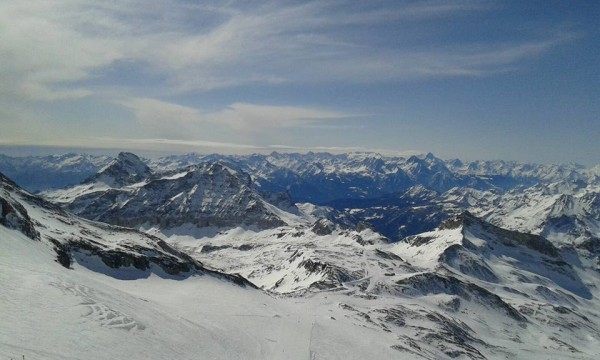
(321, 177)
(125, 169)
(520, 171)
(99, 246)
(128, 193)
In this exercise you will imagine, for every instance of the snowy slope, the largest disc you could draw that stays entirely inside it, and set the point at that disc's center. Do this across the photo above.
(74, 289)
(123, 252)
(285, 260)
(49, 312)
(467, 289)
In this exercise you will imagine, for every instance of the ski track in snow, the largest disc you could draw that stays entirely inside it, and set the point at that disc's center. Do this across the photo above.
(97, 311)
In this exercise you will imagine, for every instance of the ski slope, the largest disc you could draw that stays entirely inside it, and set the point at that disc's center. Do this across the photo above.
(49, 312)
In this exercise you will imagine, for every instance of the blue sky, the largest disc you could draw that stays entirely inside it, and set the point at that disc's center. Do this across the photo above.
(515, 80)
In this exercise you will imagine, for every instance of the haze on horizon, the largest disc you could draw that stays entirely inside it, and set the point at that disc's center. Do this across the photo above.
(463, 79)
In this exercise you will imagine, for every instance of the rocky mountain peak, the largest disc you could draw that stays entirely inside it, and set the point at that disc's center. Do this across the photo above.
(14, 216)
(458, 221)
(127, 168)
(471, 225)
(216, 173)
(209, 194)
(4, 181)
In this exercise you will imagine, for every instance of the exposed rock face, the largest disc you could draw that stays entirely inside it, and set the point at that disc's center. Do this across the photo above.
(207, 195)
(126, 169)
(14, 216)
(430, 283)
(323, 227)
(468, 222)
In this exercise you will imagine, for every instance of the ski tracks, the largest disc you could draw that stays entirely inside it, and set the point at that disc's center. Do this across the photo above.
(96, 310)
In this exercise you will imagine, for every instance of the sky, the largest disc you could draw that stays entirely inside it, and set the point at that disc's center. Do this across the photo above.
(512, 80)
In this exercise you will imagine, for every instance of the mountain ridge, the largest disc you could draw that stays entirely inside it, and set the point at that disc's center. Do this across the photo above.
(74, 239)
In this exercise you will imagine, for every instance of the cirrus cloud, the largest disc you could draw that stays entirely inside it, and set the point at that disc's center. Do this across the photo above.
(57, 50)
(188, 121)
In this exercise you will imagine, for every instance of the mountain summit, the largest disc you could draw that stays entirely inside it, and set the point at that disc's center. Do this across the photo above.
(126, 169)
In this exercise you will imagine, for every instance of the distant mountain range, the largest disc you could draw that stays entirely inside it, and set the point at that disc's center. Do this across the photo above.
(37, 173)
(396, 196)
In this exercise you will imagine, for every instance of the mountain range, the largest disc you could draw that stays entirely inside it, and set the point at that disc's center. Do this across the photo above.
(306, 255)
(398, 197)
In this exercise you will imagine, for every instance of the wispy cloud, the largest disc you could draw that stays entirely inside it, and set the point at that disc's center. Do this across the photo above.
(251, 117)
(165, 118)
(43, 50)
(186, 121)
(168, 146)
(55, 50)
(150, 143)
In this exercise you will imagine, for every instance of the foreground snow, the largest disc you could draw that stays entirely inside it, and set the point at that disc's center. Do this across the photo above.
(49, 312)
